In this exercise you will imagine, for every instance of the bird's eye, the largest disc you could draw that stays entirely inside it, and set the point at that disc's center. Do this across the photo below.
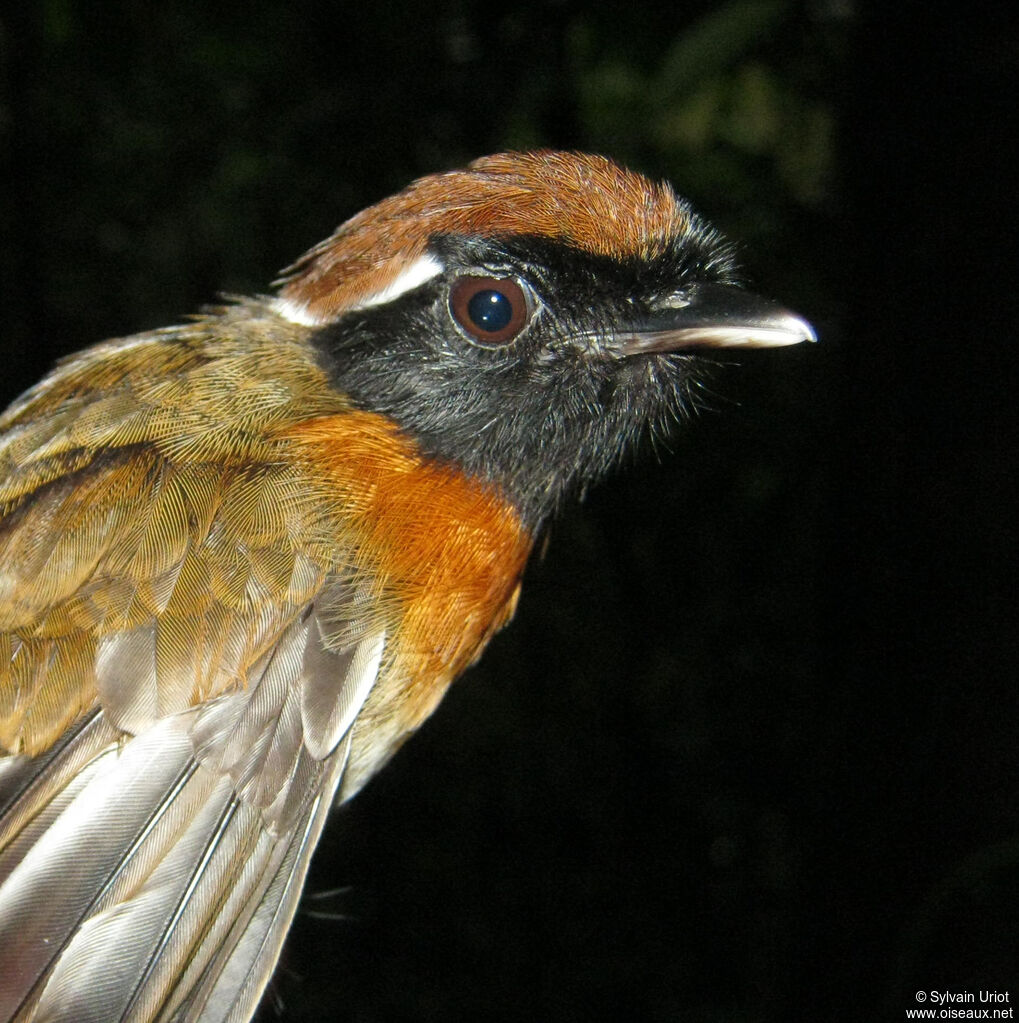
(490, 310)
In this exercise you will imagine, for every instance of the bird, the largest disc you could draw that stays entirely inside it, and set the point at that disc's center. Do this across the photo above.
(243, 558)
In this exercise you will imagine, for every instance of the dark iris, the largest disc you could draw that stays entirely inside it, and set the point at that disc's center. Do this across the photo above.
(490, 311)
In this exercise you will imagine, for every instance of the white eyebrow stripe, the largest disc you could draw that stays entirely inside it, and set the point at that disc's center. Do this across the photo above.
(422, 269)
(296, 312)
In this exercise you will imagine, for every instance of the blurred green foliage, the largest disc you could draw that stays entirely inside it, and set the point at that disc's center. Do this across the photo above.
(719, 108)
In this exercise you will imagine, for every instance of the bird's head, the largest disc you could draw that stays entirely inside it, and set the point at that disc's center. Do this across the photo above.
(527, 318)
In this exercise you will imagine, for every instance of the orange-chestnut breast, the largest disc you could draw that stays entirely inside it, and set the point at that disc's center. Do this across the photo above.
(243, 558)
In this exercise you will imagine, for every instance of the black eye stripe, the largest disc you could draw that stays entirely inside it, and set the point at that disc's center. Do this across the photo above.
(491, 311)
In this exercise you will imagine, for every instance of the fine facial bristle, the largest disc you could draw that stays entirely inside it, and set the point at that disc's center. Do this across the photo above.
(587, 202)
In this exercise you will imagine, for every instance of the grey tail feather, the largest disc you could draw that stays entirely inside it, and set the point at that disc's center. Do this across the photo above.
(135, 884)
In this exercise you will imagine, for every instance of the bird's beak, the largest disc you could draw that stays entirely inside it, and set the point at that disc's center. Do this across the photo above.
(715, 316)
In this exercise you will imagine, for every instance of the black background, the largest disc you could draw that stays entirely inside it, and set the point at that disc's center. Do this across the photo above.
(749, 751)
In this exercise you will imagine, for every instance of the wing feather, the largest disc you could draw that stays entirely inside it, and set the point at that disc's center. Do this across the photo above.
(173, 856)
(175, 717)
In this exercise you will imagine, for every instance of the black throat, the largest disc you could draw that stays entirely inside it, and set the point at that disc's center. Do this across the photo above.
(551, 412)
